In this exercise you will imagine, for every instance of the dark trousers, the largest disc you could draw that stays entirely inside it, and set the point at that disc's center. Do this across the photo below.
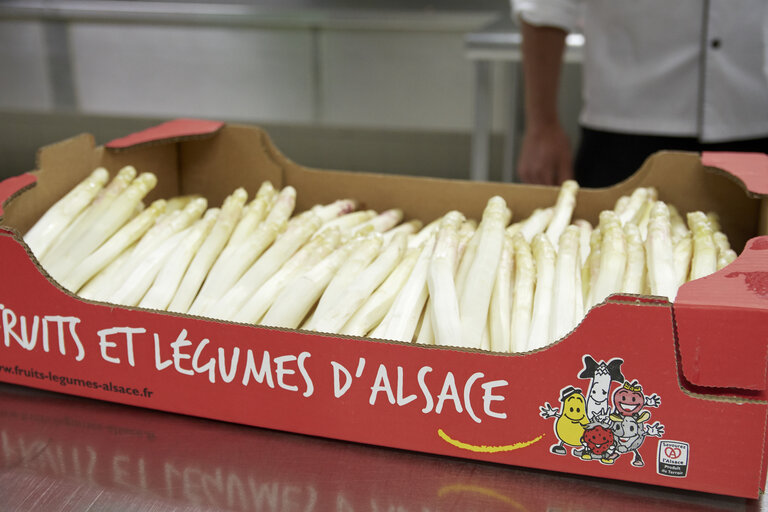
(605, 158)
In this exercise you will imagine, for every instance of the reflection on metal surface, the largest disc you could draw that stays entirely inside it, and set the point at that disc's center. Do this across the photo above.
(402, 14)
(60, 453)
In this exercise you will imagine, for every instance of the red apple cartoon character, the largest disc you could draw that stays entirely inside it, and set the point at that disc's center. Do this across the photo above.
(628, 400)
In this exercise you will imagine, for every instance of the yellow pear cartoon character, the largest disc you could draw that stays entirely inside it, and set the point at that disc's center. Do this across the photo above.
(571, 419)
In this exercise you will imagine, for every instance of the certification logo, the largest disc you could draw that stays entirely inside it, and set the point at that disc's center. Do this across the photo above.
(672, 459)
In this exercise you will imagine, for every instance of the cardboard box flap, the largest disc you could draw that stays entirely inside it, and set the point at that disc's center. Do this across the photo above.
(751, 169)
(727, 309)
(12, 186)
(171, 131)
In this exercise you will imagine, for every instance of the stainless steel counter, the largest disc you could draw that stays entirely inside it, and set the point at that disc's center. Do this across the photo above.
(60, 453)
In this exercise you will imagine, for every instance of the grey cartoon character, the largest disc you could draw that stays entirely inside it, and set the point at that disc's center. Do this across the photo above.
(630, 432)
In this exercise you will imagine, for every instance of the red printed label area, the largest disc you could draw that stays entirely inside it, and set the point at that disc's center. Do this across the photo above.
(511, 409)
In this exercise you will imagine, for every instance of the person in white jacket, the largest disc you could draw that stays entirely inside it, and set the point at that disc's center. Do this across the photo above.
(657, 74)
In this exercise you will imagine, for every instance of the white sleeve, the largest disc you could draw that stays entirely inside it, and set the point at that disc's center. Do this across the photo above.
(765, 41)
(563, 14)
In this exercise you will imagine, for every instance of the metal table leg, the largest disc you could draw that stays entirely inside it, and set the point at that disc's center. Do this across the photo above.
(513, 92)
(481, 137)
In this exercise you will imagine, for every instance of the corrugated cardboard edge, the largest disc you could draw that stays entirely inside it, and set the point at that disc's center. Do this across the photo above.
(16, 186)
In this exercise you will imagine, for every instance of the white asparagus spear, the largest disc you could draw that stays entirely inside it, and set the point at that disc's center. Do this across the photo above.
(373, 311)
(466, 257)
(579, 302)
(401, 320)
(485, 341)
(346, 223)
(253, 214)
(166, 227)
(63, 212)
(682, 252)
(536, 223)
(299, 231)
(544, 254)
(591, 268)
(704, 260)
(334, 210)
(120, 211)
(367, 249)
(100, 205)
(564, 290)
(409, 228)
(514, 229)
(178, 203)
(384, 221)
(444, 319)
(660, 254)
(726, 258)
(112, 248)
(566, 203)
(361, 288)
(422, 236)
(297, 297)
(499, 317)
(170, 275)
(466, 232)
(585, 235)
(643, 218)
(721, 242)
(621, 205)
(209, 251)
(636, 202)
(613, 258)
(714, 221)
(523, 290)
(635, 273)
(234, 261)
(141, 278)
(319, 246)
(425, 334)
(725, 255)
(679, 228)
(96, 288)
(475, 297)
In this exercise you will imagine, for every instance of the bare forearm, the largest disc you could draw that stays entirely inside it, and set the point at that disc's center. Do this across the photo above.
(542, 60)
(545, 155)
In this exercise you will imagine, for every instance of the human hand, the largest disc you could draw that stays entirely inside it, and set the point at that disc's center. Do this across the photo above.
(545, 156)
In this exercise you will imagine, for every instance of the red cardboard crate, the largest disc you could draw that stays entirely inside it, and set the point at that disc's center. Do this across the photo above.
(690, 376)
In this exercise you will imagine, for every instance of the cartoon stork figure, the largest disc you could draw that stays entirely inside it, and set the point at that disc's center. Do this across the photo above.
(601, 375)
(570, 422)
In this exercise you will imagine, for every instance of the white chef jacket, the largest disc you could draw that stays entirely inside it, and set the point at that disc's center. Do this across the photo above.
(668, 67)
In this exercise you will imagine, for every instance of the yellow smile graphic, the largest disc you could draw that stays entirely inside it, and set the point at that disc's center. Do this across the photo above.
(484, 448)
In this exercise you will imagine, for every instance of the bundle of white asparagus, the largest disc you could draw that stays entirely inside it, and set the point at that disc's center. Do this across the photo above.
(335, 269)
